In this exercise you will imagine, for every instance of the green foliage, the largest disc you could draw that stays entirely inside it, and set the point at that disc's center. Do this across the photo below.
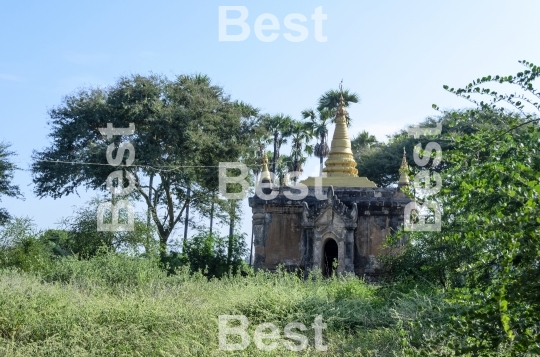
(487, 253)
(380, 162)
(116, 305)
(105, 268)
(524, 80)
(330, 100)
(426, 259)
(59, 242)
(183, 128)
(494, 193)
(210, 254)
(362, 141)
(24, 247)
(7, 169)
(82, 238)
(278, 126)
(300, 134)
(21, 246)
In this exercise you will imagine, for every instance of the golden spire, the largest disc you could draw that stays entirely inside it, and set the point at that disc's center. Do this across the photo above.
(340, 168)
(340, 161)
(265, 174)
(403, 170)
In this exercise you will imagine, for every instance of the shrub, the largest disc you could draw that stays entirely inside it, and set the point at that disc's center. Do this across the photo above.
(20, 246)
(106, 268)
(215, 256)
(85, 240)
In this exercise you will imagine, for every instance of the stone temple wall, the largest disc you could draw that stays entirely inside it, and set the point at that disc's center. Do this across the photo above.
(292, 233)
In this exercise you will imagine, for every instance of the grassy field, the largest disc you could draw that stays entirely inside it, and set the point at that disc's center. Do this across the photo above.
(121, 306)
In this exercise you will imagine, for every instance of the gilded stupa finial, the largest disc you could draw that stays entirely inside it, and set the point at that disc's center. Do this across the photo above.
(404, 171)
(341, 113)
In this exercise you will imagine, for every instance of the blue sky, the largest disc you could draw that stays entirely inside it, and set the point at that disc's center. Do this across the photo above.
(395, 54)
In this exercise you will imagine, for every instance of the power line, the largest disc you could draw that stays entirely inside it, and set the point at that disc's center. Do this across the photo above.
(157, 168)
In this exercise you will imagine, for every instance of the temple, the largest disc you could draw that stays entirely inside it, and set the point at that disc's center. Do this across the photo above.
(337, 222)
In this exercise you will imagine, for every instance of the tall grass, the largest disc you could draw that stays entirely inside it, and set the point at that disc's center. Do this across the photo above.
(114, 305)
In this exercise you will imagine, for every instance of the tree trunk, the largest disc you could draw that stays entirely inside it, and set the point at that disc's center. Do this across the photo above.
(275, 153)
(231, 233)
(321, 160)
(251, 249)
(164, 229)
(148, 213)
(163, 239)
(186, 222)
(212, 212)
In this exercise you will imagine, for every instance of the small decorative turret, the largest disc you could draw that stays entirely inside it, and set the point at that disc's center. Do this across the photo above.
(404, 171)
(286, 180)
(265, 173)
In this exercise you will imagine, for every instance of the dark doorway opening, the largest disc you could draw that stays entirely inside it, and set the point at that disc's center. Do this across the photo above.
(330, 258)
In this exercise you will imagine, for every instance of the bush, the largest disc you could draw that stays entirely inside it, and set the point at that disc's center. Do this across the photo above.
(85, 240)
(106, 268)
(120, 305)
(215, 256)
(21, 246)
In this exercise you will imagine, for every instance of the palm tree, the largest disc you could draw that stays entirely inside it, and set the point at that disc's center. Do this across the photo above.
(261, 141)
(300, 134)
(283, 167)
(278, 126)
(362, 141)
(319, 126)
(330, 100)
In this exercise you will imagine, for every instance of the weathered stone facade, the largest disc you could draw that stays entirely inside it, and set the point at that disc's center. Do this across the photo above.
(342, 218)
(301, 234)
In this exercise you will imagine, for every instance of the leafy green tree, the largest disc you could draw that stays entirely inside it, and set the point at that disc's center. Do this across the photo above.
(431, 257)
(257, 138)
(364, 140)
(494, 199)
(380, 162)
(183, 129)
(490, 196)
(84, 240)
(215, 256)
(7, 169)
(59, 242)
(21, 247)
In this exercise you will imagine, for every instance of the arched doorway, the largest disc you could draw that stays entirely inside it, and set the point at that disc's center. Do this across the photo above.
(330, 256)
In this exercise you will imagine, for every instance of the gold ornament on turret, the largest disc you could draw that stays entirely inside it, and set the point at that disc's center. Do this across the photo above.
(265, 174)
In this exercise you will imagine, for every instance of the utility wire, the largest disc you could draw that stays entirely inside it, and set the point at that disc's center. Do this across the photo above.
(161, 168)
